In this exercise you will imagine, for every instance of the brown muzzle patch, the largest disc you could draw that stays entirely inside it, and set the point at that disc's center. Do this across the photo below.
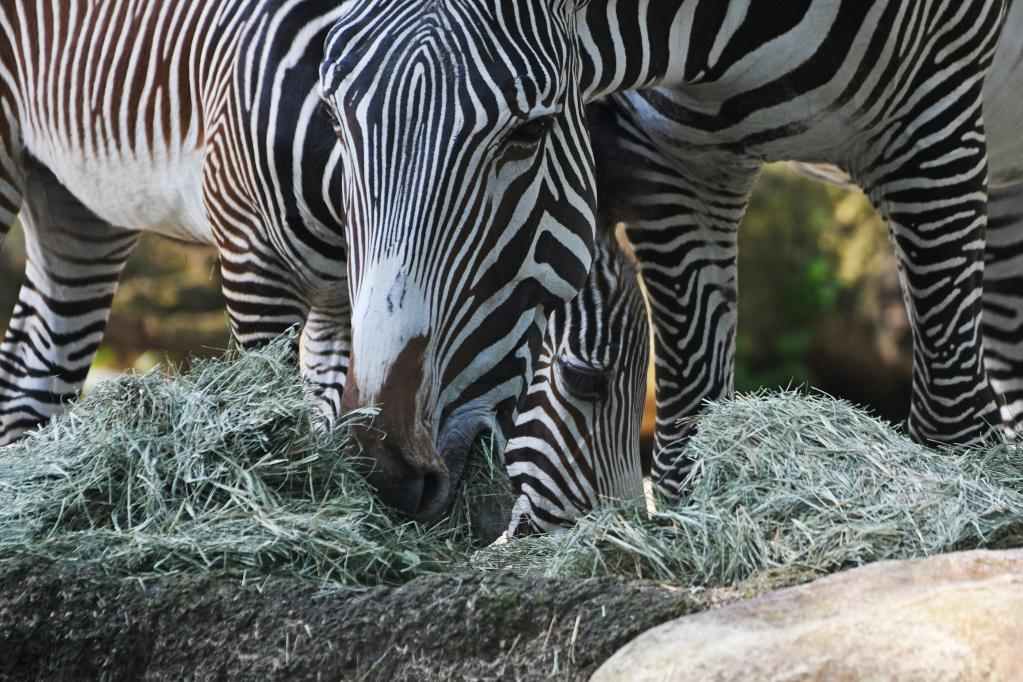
(401, 458)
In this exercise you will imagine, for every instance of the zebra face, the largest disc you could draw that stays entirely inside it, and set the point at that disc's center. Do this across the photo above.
(468, 191)
(576, 441)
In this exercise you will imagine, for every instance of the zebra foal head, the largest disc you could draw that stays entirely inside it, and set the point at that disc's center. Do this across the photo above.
(468, 191)
(576, 441)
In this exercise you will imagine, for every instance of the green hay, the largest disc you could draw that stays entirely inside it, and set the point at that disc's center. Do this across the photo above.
(222, 470)
(795, 482)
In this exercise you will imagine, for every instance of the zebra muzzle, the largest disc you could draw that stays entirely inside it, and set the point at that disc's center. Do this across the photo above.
(406, 473)
(398, 451)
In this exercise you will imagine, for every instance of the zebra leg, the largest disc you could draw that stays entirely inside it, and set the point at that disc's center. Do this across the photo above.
(326, 347)
(265, 300)
(262, 300)
(681, 218)
(1003, 301)
(687, 252)
(74, 263)
(935, 201)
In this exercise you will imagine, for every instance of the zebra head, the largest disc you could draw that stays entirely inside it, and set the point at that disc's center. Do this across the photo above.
(468, 191)
(576, 441)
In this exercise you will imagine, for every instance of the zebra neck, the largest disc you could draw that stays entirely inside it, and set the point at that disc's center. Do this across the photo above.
(630, 44)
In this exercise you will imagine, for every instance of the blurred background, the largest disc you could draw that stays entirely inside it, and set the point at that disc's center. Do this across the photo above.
(819, 299)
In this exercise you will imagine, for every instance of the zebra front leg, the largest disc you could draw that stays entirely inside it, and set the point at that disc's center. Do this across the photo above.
(1003, 301)
(935, 201)
(681, 216)
(74, 264)
(263, 299)
(326, 347)
(687, 253)
(266, 302)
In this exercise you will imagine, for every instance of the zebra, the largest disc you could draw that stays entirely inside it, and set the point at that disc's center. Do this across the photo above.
(469, 196)
(123, 116)
(695, 340)
(576, 442)
(202, 122)
(432, 100)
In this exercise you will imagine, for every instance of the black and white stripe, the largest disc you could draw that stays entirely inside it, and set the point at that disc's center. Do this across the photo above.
(575, 445)
(1003, 302)
(200, 121)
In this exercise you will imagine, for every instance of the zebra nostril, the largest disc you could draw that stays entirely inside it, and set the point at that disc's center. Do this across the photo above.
(434, 495)
(409, 489)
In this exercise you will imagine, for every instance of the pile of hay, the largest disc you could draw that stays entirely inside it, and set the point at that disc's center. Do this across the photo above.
(221, 469)
(796, 482)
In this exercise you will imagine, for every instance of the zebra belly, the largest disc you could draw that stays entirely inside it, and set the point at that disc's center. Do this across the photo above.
(161, 196)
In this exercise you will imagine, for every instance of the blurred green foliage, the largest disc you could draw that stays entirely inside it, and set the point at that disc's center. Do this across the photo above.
(816, 282)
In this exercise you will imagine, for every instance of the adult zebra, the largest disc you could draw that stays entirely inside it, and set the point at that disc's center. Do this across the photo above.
(434, 101)
(672, 194)
(169, 117)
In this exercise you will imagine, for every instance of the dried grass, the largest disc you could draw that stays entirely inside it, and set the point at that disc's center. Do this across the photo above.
(220, 469)
(796, 482)
(223, 470)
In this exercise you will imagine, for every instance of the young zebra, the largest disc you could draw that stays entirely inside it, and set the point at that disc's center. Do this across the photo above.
(201, 121)
(890, 91)
(575, 443)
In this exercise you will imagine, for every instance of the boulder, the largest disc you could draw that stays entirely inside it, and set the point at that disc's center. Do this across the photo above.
(953, 617)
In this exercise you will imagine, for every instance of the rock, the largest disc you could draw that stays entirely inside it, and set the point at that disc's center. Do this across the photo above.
(953, 617)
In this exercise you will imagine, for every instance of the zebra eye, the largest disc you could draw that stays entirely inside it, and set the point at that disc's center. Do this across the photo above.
(582, 380)
(530, 133)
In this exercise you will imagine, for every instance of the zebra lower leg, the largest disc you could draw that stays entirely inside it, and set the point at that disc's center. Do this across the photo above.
(262, 305)
(935, 202)
(325, 350)
(688, 259)
(59, 319)
(681, 216)
(1003, 302)
(260, 311)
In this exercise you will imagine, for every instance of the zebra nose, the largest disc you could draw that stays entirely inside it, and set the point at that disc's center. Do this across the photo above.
(420, 493)
(405, 472)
